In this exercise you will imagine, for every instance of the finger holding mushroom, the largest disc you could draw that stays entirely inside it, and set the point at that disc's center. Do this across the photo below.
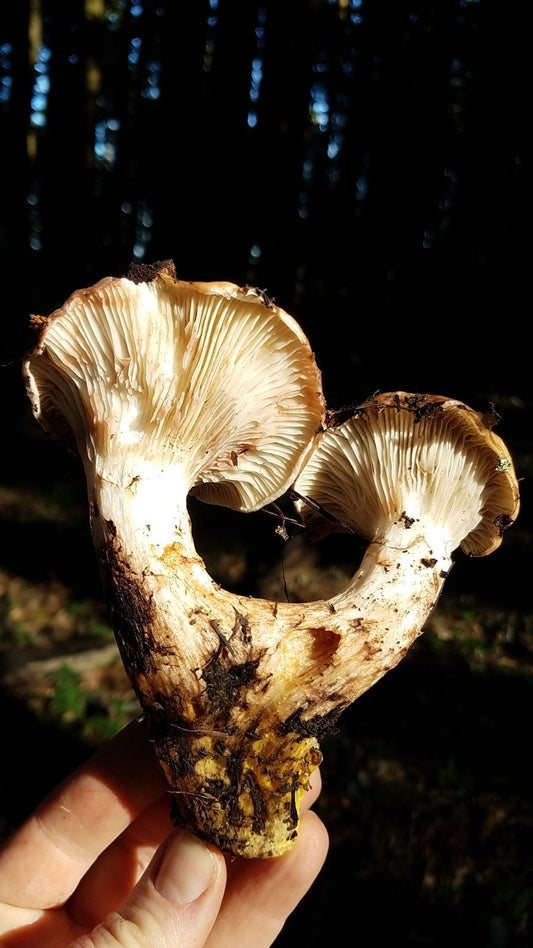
(166, 387)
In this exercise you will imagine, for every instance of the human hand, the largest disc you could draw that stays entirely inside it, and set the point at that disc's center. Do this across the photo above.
(95, 866)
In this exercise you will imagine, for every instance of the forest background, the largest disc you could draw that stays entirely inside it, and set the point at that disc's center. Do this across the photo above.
(368, 163)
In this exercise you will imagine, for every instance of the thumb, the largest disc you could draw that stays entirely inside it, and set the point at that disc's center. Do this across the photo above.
(176, 901)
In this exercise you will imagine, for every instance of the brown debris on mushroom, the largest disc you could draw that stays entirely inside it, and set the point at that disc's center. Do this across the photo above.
(166, 387)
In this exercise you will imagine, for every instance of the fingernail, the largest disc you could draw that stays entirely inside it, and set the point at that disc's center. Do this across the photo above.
(186, 870)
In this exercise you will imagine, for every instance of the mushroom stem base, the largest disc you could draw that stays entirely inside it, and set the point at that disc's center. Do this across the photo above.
(242, 793)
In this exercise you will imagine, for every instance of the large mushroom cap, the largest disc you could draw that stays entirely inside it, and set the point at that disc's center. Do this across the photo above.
(209, 376)
(419, 461)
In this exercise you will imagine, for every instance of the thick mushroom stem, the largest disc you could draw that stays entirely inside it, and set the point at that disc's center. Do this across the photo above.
(238, 691)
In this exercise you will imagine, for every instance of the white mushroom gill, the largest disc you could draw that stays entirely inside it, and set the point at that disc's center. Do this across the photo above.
(163, 388)
(384, 470)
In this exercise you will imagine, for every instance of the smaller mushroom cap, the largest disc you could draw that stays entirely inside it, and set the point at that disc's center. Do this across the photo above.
(210, 378)
(421, 461)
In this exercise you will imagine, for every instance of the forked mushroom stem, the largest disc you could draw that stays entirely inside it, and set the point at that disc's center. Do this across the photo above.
(238, 691)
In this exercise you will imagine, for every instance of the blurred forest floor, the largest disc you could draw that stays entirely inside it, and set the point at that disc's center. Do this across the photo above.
(427, 787)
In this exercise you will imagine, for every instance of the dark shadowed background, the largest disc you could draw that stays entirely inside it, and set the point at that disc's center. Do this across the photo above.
(368, 164)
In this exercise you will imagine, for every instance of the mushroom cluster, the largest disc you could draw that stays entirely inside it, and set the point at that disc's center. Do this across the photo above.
(166, 388)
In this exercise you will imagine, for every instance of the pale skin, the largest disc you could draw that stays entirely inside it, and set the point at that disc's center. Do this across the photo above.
(98, 865)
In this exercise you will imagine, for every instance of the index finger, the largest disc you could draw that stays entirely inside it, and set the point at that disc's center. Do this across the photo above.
(79, 819)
